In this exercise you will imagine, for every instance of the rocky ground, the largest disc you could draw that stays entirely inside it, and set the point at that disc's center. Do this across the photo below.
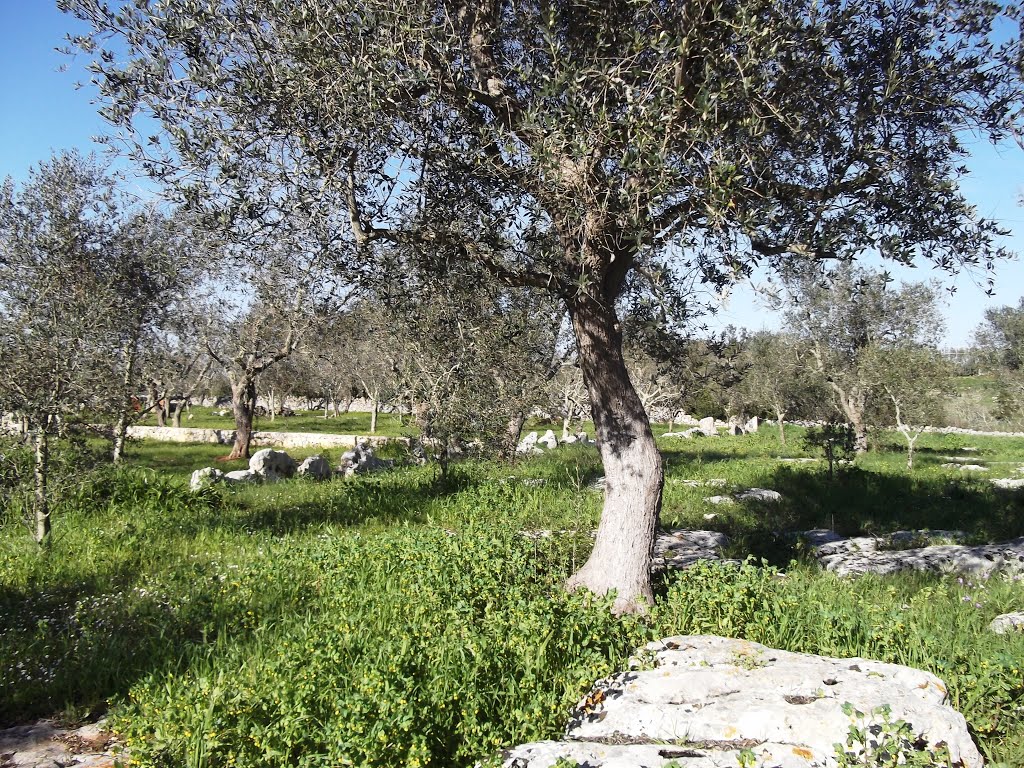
(47, 745)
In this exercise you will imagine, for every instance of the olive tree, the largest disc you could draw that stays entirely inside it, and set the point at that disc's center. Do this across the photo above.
(589, 151)
(847, 320)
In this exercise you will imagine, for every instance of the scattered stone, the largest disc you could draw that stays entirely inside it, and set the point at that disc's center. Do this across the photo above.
(535, 482)
(965, 467)
(680, 548)
(752, 425)
(803, 460)
(759, 494)
(699, 700)
(867, 554)
(205, 477)
(360, 461)
(528, 445)
(316, 468)
(272, 465)
(548, 440)
(242, 476)
(684, 435)
(44, 745)
(1008, 483)
(720, 500)
(710, 516)
(1008, 622)
(707, 426)
(714, 482)
(816, 537)
(734, 430)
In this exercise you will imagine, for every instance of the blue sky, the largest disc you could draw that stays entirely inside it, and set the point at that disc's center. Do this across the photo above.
(41, 111)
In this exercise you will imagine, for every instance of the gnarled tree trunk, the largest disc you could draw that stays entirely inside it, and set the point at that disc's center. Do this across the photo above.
(243, 406)
(512, 433)
(621, 558)
(41, 473)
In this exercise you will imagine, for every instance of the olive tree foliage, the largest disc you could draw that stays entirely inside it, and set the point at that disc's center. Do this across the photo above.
(777, 379)
(848, 320)
(588, 151)
(913, 382)
(60, 328)
(1001, 339)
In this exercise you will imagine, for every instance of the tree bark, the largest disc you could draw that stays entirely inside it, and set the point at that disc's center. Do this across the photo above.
(41, 473)
(852, 404)
(621, 558)
(781, 417)
(243, 405)
(512, 433)
(121, 427)
(374, 407)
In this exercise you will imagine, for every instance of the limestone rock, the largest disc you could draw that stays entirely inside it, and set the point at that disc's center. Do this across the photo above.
(707, 426)
(759, 494)
(700, 699)
(680, 548)
(242, 476)
(528, 443)
(316, 468)
(361, 460)
(734, 430)
(1008, 622)
(720, 500)
(548, 440)
(44, 745)
(867, 554)
(752, 425)
(272, 465)
(965, 467)
(1008, 483)
(204, 477)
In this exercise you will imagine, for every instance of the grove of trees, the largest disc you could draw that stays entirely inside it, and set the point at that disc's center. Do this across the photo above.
(599, 154)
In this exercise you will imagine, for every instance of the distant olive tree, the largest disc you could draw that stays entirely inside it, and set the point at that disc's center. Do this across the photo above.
(852, 316)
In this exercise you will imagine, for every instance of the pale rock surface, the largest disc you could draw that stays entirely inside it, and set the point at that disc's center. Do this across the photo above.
(720, 500)
(1008, 483)
(361, 460)
(45, 745)
(734, 430)
(1008, 622)
(707, 426)
(685, 434)
(528, 444)
(867, 554)
(965, 467)
(316, 468)
(242, 476)
(698, 700)
(548, 440)
(752, 425)
(759, 494)
(204, 477)
(679, 548)
(272, 465)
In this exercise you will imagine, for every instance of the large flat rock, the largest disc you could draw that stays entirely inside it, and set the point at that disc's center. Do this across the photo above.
(699, 700)
(867, 554)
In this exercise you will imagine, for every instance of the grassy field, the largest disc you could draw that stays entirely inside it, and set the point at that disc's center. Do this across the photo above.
(401, 619)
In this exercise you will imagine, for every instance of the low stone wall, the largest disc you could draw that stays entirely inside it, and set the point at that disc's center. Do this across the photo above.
(261, 438)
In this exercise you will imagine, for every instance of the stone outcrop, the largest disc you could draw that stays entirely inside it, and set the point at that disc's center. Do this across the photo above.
(1007, 622)
(316, 468)
(676, 549)
(45, 745)
(259, 438)
(361, 460)
(697, 701)
(272, 465)
(205, 477)
(759, 494)
(895, 553)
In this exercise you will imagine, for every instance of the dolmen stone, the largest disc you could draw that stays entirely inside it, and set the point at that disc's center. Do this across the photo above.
(709, 702)
(205, 477)
(272, 465)
(1007, 622)
(316, 468)
(548, 440)
(528, 445)
(242, 476)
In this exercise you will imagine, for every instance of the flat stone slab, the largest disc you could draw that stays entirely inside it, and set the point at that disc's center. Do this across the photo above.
(699, 700)
(868, 554)
(45, 745)
(680, 548)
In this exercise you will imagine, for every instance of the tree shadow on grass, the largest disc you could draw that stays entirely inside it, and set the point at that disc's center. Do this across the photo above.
(859, 501)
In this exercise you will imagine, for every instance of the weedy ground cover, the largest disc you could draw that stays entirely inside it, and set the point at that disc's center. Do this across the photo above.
(351, 423)
(402, 618)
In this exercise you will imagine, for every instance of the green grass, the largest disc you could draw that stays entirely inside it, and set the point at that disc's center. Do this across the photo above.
(399, 619)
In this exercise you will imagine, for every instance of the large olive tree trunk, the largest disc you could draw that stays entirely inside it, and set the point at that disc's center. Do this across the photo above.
(853, 403)
(243, 406)
(621, 558)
